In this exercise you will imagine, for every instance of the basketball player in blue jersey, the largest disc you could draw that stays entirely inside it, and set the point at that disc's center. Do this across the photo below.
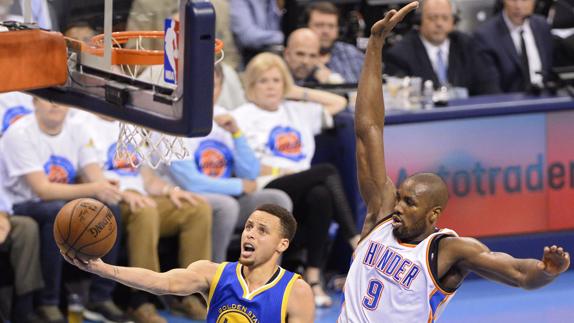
(405, 269)
(253, 290)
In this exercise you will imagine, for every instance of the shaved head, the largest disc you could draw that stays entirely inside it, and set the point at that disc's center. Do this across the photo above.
(302, 52)
(303, 35)
(431, 186)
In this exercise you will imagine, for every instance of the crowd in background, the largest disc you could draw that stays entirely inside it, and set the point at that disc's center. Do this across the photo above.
(268, 110)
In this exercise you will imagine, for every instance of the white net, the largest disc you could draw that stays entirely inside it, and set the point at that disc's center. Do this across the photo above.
(138, 145)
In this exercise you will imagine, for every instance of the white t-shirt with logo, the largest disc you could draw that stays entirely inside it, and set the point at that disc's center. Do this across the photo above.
(213, 154)
(5, 203)
(27, 149)
(105, 135)
(13, 106)
(283, 138)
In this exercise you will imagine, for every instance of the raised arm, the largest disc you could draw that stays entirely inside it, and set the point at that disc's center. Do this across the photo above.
(376, 188)
(468, 254)
(196, 278)
(332, 103)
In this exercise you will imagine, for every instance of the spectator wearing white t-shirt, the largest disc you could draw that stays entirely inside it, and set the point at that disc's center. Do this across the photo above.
(223, 169)
(151, 208)
(20, 242)
(13, 106)
(282, 132)
(45, 155)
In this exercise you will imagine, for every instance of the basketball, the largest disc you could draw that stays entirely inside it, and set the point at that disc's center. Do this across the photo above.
(85, 229)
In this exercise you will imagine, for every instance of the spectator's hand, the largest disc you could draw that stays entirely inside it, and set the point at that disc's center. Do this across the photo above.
(107, 191)
(136, 200)
(249, 186)
(227, 122)
(382, 28)
(4, 227)
(177, 196)
(322, 74)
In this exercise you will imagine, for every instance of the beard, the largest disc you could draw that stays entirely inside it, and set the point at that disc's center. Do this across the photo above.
(407, 234)
(246, 262)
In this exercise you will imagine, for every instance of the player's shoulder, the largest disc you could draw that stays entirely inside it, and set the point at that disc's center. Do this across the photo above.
(205, 268)
(460, 247)
(301, 295)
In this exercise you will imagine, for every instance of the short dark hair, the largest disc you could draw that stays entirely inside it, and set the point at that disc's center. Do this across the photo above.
(322, 7)
(288, 222)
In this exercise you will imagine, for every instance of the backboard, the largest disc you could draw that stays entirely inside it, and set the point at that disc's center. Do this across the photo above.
(182, 109)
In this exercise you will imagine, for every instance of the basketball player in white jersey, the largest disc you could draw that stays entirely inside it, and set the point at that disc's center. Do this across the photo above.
(405, 269)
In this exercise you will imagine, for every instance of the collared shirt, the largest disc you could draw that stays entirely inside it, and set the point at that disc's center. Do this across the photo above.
(534, 61)
(346, 60)
(256, 23)
(432, 52)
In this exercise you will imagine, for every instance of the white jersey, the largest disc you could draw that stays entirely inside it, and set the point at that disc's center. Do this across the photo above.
(282, 138)
(391, 282)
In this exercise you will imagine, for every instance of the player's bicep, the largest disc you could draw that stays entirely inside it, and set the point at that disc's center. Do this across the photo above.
(301, 306)
(497, 266)
(196, 278)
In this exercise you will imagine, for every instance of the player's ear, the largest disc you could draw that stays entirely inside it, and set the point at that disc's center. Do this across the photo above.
(435, 213)
(283, 245)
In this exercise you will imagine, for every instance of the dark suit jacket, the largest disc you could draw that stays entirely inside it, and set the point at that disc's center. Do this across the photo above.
(409, 58)
(496, 47)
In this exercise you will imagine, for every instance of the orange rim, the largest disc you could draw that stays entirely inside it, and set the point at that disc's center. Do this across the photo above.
(126, 56)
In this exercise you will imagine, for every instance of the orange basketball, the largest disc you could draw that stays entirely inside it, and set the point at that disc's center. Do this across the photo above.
(85, 228)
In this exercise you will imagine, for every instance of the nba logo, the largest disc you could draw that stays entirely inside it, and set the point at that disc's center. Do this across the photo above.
(171, 50)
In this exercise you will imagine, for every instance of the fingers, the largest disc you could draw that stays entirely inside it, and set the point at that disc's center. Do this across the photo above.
(405, 11)
(190, 198)
(392, 18)
(382, 24)
(175, 201)
(133, 205)
(150, 202)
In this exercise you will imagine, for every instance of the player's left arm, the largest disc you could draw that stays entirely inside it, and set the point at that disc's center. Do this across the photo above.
(469, 254)
(301, 306)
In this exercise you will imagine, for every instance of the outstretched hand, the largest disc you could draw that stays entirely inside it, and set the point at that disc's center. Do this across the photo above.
(86, 265)
(555, 260)
(383, 27)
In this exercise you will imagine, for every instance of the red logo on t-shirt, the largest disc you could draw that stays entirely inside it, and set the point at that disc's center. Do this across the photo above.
(212, 163)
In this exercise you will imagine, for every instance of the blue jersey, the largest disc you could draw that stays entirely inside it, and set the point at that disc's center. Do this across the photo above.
(230, 300)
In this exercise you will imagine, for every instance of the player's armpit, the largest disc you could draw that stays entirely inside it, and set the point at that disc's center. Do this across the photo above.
(469, 254)
(301, 305)
(380, 207)
(196, 278)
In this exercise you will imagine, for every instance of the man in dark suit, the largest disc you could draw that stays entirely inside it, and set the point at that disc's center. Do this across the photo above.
(436, 52)
(518, 45)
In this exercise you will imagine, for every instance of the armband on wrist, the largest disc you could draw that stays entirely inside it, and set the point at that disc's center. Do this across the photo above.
(275, 171)
(237, 134)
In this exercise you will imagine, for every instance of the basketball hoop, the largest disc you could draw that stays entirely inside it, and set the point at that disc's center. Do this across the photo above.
(136, 144)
